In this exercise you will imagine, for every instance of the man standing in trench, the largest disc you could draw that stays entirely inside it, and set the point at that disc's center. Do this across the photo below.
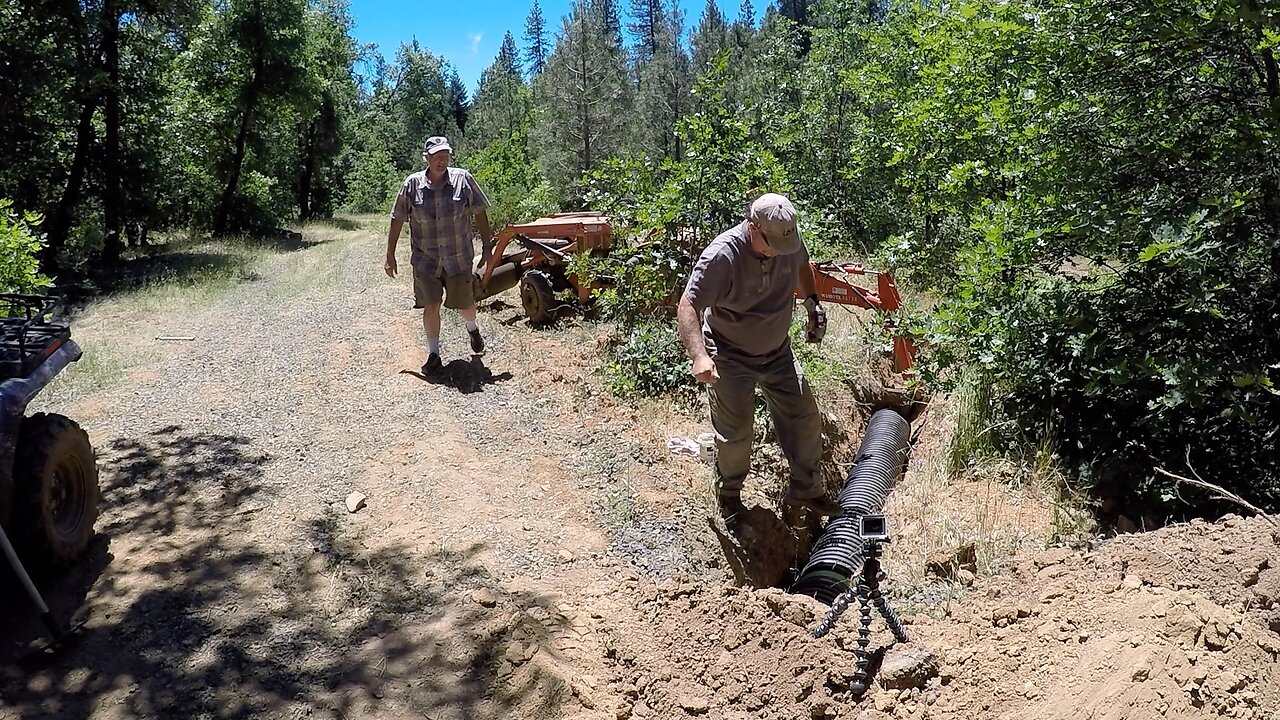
(439, 204)
(734, 320)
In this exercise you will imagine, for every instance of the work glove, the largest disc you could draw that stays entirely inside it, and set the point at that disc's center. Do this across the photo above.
(816, 328)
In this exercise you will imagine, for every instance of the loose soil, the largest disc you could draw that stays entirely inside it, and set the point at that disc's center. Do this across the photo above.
(530, 549)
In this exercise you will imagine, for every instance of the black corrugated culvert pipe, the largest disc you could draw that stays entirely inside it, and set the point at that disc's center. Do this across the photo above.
(837, 555)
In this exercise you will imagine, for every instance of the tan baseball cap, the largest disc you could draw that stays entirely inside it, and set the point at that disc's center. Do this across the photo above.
(776, 218)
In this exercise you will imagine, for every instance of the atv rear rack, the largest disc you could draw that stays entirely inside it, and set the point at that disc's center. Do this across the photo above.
(27, 334)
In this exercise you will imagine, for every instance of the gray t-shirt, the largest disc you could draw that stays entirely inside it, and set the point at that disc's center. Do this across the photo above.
(745, 301)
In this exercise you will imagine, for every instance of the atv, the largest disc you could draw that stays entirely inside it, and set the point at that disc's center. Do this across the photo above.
(48, 474)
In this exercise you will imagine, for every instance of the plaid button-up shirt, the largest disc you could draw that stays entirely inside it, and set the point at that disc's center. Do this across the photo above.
(440, 221)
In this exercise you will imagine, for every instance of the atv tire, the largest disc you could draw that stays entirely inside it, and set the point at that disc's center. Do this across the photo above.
(55, 502)
(537, 296)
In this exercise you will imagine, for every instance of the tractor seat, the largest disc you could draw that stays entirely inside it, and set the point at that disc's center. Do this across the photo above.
(553, 243)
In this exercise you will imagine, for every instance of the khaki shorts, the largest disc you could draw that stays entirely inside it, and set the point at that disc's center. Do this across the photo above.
(457, 291)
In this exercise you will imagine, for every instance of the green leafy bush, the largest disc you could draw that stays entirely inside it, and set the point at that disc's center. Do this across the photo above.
(510, 178)
(20, 246)
(662, 221)
(373, 183)
(1100, 235)
(648, 360)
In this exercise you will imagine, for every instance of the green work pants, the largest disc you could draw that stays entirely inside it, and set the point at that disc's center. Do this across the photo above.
(791, 405)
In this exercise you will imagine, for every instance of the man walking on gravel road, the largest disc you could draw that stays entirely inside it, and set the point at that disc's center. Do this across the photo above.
(734, 320)
(439, 204)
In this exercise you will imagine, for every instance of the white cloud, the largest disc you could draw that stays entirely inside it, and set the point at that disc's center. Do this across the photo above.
(475, 39)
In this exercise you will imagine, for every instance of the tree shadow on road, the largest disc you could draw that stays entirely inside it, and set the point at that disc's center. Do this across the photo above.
(215, 602)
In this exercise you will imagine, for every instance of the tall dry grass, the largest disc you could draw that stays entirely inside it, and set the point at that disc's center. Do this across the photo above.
(962, 489)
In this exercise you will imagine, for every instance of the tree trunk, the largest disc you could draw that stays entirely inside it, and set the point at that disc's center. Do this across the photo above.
(308, 172)
(584, 113)
(59, 226)
(111, 195)
(237, 158)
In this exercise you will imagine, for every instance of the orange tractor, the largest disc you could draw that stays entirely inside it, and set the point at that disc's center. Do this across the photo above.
(834, 288)
(541, 264)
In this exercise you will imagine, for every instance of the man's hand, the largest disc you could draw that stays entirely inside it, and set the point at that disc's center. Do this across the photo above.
(816, 328)
(704, 370)
(390, 267)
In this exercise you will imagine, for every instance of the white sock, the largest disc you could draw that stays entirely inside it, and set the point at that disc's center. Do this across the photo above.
(433, 345)
(472, 326)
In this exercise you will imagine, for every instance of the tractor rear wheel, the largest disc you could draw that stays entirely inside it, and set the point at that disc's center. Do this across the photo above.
(538, 297)
(55, 500)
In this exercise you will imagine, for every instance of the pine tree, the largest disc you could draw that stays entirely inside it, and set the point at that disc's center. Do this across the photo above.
(665, 83)
(877, 10)
(502, 105)
(742, 40)
(423, 97)
(710, 37)
(536, 46)
(583, 101)
(830, 112)
(508, 60)
(769, 81)
(457, 97)
(612, 19)
(746, 16)
(797, 11)
(647, 27)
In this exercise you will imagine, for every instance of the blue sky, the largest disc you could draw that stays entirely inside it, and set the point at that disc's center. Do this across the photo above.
(469, 32)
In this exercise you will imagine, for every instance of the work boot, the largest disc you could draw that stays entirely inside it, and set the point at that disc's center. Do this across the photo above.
(433, 365)
(731, 507)
(477, 342)
(820, 505)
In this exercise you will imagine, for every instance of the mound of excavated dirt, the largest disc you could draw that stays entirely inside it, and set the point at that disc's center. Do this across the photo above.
(1179, 623)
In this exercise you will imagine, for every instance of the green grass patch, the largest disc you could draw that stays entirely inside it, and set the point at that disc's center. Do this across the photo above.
(328, 257)
(189, 272)
(101, 367)
(971, 441)
(185, 276)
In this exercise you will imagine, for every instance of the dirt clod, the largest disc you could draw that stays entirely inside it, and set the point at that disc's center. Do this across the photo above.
(694, 704)
(1267, 588)
(948, 564)
(355, 501)
(1273, 620)
(484, 597)
(908, 666)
